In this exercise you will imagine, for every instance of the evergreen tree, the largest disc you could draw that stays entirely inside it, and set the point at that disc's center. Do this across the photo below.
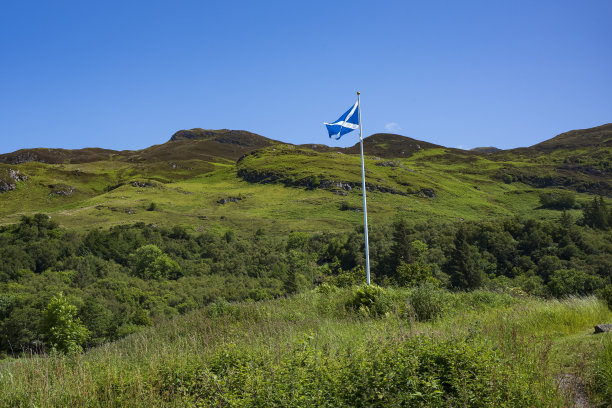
(596, 214)
(401, 249)
(462, 265)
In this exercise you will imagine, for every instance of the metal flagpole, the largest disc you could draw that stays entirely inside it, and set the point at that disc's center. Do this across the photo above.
(365, 210)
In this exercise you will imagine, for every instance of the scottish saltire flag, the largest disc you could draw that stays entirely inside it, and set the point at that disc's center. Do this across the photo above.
(348, 122)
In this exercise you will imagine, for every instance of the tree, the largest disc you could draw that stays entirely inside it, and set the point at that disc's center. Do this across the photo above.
(418, 271)
(596, 214)
(401, 250)
(61, 329)
(564, 282)
(150, 262)
(462, 266)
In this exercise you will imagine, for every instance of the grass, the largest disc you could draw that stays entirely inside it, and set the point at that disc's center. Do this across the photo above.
(252, 353)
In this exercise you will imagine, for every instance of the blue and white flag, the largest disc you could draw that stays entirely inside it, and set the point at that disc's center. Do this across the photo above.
(348, 122)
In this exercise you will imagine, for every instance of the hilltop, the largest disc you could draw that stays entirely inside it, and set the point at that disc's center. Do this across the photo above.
(208, 145)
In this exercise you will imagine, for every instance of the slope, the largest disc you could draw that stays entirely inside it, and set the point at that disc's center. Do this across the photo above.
(206, 179)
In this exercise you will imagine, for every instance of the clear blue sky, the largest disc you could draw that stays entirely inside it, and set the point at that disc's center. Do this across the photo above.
(128, 74)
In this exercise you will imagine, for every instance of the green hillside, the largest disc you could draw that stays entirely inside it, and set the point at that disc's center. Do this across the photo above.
(307, 188)
(222, 268)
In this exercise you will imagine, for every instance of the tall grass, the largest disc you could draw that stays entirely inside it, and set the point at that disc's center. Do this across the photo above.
(601, 372)
(484, 348)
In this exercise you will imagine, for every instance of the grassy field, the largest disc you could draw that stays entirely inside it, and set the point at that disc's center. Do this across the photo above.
(477, 349)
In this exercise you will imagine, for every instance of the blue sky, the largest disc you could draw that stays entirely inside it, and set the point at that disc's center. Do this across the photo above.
(127, 75)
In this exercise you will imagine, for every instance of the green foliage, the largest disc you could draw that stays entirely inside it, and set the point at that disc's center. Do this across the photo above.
(596, 214)
(419, 271)
(370, 300)
(151, 263)
(427, 302)
(297, 240)
(229, 236)
(123, 293)
(565, 282)
(602, 374)
(62, 330)
(606, 295)
(345, 279)
(464, 271)
(558, 199)
(509, 178)
(152, 206)
(414, 373)
(487, 349)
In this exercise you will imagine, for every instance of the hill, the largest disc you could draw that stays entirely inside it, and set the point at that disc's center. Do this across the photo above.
(600, 136)
(389, 145)
(489, 149)
(188, 176)
(200, 144)
(145, 258)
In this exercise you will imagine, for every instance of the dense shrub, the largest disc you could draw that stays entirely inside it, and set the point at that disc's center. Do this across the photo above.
(427, 302)
(559, 200)
(370, 300)
(131, 276)
(566, 282)
(151, 263)
(606, 295)
(61, 329)
(418, 372)
(596, 214)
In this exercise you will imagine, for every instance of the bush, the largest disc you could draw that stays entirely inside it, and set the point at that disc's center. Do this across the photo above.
(413, 373)
(345, 279)
(426, 302)
(606, 296)
(559, 200)
(370, 300)
(565, 282)
(151, 263)
(62, 330)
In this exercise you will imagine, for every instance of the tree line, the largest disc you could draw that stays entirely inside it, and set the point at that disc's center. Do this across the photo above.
(94, 287)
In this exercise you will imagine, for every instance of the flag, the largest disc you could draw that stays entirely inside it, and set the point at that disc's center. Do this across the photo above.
(346, 123)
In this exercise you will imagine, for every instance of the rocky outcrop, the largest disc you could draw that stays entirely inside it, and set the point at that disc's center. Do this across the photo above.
(312, 182)
(143, 184)
(62, 190)
(229, 200)
(390, 163)
(602, 328)
(10, 178)
(429, 192)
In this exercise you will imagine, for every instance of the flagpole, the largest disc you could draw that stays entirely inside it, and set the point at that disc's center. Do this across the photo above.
(365, 209)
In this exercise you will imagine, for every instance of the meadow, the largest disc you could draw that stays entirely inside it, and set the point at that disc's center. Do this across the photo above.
(419, 347)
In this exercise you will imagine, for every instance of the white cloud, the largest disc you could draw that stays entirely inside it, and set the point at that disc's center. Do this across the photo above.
(393, 127)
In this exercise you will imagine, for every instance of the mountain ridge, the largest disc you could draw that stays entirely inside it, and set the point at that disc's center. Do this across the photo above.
(211, 144)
